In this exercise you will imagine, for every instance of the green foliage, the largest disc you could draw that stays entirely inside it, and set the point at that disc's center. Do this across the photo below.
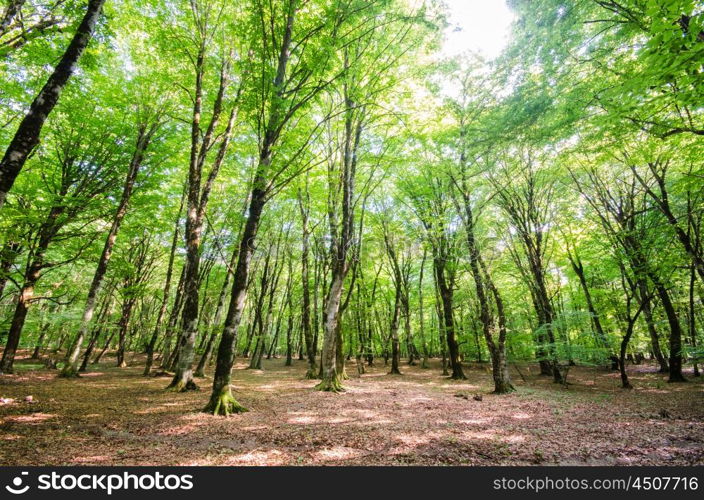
(593, 106)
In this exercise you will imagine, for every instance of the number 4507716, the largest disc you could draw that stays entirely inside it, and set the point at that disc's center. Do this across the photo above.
(665, 483)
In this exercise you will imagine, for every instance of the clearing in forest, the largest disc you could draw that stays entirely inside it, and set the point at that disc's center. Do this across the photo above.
(115, 416)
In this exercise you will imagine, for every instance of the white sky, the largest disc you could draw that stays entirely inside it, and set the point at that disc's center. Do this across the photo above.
(478, 25)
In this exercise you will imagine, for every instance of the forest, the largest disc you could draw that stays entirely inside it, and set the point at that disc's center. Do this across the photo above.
(294, 232)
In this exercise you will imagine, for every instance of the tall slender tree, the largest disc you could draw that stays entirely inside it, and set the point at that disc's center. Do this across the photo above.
(27, 136)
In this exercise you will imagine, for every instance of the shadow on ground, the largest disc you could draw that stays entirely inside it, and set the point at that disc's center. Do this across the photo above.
(116, 416)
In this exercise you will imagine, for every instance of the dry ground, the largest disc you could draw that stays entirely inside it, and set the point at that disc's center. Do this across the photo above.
(116, 416)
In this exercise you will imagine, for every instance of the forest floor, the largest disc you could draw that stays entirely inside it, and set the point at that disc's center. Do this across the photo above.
(114, 416)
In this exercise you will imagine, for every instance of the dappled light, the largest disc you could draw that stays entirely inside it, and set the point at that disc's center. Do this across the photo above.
(351, 232)
(420, 421)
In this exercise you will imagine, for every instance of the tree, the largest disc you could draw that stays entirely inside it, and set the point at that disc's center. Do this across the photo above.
(27, 136)
(625, 217)
(147, 127)
(433, 209)
(207, 19)
(525, 194)
(278, 104)
(137, 270)
(82, 168)
(304, 207)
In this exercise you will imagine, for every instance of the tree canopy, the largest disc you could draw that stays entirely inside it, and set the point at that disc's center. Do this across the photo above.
(206, 180)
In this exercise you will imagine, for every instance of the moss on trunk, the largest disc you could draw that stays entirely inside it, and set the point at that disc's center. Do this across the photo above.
(312, 372)
(182, 384)
(224, 404)
(330, 384)
(69, 371)
(503, 387)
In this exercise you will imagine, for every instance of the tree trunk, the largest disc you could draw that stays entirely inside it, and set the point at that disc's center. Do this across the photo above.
(18, 319)
(105, 347)
(421, 312)
(654, 337)
(342, 239)
(442, 338)
(123, 325)
(222, 401)
(165, 295)
(89, 349)
(446, 296)
(331, 379)
(95, 334)
(253, 324)
(36, 264)
(40, 341)
(289, 306)
(395, 344)
(144, 137)
(546, 317)
(305, 284)
(166, 352)
(27, 136)
(484, 283)
(197, 201)
(183, 377)
(692, 320)
(622, 357)
(205, 359)
(675, 360)
(11, 11)
(578, 268)
(7, 258)
(500, 373)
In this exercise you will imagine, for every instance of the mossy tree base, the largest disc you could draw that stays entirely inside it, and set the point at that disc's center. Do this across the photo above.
(182, 386)
(330, 385)
(69, 371)
(224, 405)
(312, 373)
(504, 388)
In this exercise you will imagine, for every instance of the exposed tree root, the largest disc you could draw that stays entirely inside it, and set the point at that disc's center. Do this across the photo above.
(503, 388)
(183, 386)
(224, 405)
(69, 371)
(330, 385)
